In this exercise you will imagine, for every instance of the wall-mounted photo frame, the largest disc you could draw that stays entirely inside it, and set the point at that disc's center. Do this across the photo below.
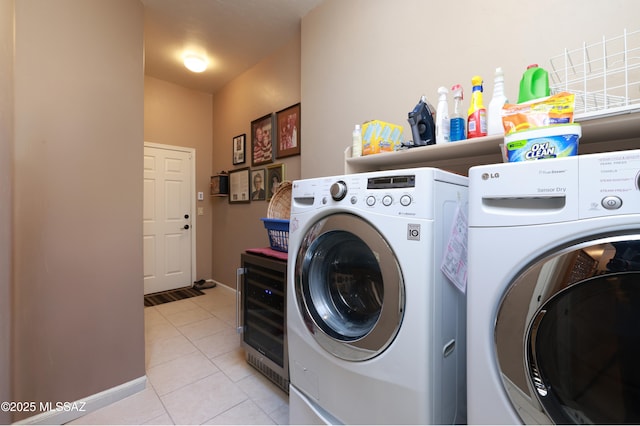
(220, 185)
(275, 176)
(239, 186)
(288, 122)
(258, 178)
(262, 131)
(239, 149)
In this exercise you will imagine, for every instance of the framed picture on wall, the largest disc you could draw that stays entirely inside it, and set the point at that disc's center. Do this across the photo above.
(262, 131)
(258, 177)
(288, 131)
(239, 146)
(239, 186)
(220, 184)
(275, 176)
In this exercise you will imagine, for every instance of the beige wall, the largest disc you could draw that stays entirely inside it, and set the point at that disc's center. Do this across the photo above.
(6, 168)
(182, 117)
(78, 308)
(373, 59)
(270, 86)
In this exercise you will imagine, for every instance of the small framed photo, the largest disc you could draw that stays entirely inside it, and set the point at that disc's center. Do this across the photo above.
(288, 121)
(258, 177)
(239, 148)
(275, 176)
(261, 140)
(220, 184)
(239, 186)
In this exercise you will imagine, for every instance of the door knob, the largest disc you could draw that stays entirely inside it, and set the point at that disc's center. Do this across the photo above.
(186, 216)
(186, 227)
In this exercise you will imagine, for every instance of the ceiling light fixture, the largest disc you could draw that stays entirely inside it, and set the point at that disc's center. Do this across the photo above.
(195, 63)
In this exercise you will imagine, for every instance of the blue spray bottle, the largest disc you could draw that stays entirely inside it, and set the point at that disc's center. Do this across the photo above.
(458, 123)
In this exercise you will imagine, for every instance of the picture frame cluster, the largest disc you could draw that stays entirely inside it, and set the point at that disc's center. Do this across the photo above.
(273, 136)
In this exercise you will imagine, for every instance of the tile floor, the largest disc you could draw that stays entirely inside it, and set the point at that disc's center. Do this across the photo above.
(196, 371)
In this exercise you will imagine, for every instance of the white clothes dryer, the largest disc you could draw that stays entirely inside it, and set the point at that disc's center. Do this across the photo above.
(376, 332)
(554, 291)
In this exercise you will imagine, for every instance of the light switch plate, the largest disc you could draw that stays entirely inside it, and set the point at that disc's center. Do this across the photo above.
(200, 196)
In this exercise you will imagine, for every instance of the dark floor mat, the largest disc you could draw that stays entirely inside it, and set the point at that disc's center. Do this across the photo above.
(161, 297)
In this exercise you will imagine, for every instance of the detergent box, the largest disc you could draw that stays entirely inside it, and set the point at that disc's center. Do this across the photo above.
(379, 136)
(555, 141)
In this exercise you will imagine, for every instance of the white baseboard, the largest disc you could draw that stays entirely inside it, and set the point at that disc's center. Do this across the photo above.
(224, 286)
(73, 410)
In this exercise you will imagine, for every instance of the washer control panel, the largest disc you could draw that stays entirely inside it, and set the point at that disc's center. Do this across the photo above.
(390, 193)
(395, 192)
(406, 192)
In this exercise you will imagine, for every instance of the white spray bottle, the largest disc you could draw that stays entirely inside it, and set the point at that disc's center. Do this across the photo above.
(494, 114)
(442, 117)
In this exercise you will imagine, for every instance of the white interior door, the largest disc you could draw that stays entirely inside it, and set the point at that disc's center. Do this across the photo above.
(167, 218)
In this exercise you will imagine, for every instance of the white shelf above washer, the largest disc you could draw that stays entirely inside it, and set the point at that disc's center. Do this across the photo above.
(599, 134)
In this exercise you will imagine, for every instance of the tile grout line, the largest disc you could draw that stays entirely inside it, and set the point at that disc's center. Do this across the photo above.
(161, 403)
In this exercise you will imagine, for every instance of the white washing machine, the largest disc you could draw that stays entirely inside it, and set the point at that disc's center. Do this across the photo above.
(554, 291)
(376, 332)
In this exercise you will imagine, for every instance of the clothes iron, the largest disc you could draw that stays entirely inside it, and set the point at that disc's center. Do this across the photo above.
(422, 122)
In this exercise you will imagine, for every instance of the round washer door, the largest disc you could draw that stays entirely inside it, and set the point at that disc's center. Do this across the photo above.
(349, 287)
(568, 334)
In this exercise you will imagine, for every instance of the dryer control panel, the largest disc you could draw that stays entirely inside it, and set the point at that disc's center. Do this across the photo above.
(609, 184)
(555, 190)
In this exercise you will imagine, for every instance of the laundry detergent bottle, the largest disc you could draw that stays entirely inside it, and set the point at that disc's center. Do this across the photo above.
(457, 122)
(534, 84)
(477, 114)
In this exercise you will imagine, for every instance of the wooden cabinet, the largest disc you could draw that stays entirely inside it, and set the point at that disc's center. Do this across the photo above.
(263, 316)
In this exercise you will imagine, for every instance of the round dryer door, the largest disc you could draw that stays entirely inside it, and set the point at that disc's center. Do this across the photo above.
(349, 287)
(568, 335)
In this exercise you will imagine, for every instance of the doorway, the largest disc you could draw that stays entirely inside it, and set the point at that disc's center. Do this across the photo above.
(168, 225)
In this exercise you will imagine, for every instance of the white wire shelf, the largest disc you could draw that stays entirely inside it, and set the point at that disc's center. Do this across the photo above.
(604, 76)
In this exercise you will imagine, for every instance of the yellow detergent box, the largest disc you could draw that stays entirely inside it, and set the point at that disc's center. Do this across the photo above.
(379, 136)
(556, 141)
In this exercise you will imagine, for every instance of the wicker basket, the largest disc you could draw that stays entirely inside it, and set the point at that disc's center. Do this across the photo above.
(280, 203)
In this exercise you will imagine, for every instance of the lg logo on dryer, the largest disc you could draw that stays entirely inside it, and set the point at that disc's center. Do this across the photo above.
(487, 176)
(413, 232)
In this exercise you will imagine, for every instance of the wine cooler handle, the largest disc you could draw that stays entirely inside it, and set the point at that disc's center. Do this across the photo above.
(239, 273)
